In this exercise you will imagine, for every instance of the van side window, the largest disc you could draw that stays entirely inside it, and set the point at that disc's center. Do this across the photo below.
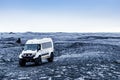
(46, 45)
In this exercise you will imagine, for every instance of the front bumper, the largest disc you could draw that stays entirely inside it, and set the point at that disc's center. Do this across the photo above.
(28, 59)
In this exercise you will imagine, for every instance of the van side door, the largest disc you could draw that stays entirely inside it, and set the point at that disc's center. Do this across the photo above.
(46, 47)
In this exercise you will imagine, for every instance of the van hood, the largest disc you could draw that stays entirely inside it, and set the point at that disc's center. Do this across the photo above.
(29, 51)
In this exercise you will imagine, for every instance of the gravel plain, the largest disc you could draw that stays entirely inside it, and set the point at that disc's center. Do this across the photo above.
(78, 56)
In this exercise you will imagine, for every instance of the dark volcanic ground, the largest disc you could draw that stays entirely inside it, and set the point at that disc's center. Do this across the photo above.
(78, 56)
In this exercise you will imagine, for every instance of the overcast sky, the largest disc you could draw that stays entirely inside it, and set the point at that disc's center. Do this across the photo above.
(60, 15)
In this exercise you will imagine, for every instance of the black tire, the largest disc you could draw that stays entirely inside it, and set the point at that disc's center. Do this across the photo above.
(22, 62)
(51, 57)
(38, 61)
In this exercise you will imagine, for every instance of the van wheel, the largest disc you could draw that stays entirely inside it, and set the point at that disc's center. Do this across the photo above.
(51, 57)
(38, 61)
(22, 62)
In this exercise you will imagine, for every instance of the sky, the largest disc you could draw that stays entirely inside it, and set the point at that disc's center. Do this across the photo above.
(60, 15)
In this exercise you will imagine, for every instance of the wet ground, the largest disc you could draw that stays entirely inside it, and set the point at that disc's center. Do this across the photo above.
(78, 56)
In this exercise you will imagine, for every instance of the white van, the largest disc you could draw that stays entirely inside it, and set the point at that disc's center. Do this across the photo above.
(37, 49)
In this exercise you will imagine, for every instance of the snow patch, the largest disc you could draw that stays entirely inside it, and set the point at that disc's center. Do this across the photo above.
(20, 78)
(85, 54)
(80, 78)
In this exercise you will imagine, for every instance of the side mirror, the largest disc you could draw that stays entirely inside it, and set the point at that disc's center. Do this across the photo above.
(38, 49)
(22, 48)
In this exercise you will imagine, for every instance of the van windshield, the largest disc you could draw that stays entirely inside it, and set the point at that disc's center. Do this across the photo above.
(32, 47)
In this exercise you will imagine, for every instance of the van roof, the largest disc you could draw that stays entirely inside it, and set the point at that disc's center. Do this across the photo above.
(39, 41)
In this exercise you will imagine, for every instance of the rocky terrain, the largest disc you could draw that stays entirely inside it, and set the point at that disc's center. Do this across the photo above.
(78, 56)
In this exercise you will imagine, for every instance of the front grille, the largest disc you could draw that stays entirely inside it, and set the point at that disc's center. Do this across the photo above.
(28, 55)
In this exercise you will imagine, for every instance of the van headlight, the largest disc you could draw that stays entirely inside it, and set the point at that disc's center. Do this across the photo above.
(23, 55)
